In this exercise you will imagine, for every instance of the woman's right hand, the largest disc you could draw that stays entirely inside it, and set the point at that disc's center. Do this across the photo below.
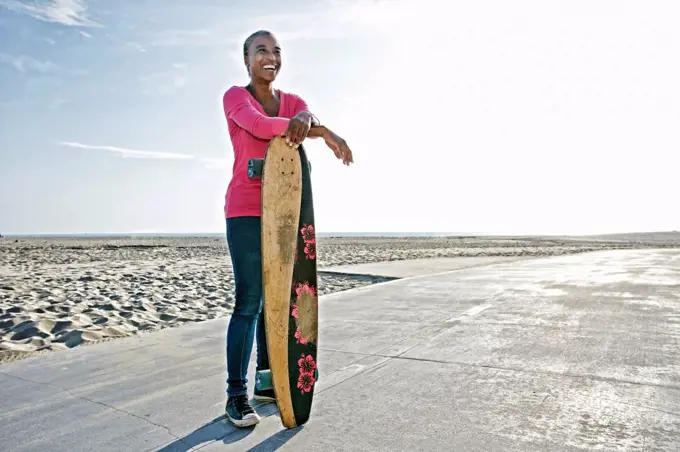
(298, 128)
(339, 147)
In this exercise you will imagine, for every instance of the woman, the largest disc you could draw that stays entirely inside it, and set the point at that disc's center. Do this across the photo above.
(255, 114)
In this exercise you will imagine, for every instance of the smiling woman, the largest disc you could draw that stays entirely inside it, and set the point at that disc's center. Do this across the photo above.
(255, 114)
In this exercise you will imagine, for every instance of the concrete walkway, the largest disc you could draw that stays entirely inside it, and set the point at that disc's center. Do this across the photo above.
(572, 353)
(420, 267)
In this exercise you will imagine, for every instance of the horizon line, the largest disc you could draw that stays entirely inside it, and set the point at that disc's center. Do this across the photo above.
(327, 234)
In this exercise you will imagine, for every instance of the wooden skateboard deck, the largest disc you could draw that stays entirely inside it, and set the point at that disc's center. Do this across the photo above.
(289, 279)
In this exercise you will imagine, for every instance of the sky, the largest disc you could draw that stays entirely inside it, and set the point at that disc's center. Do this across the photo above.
(523, 117)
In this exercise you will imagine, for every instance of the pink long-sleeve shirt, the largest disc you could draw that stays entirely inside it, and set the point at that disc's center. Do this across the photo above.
(250, 130)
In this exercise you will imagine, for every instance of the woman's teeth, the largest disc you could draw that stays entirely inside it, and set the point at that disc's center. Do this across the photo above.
(269, 67)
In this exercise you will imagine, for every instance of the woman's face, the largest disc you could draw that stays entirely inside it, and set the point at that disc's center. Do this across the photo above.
(264, 58)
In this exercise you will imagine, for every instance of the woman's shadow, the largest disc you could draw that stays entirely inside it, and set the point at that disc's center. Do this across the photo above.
(221, 429)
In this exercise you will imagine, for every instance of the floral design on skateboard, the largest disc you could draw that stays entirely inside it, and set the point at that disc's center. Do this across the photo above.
(309, 237)
(305, 301)
(307, 368)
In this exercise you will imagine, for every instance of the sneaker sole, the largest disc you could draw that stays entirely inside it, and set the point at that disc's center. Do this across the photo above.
(248, 421)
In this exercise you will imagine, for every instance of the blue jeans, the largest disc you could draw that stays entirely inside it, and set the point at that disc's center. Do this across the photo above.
(243, 238)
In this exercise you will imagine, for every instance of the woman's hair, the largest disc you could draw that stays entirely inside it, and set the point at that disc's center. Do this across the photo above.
(249, 39)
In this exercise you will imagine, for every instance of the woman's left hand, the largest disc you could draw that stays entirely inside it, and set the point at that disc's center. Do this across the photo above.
(339, 147)
(298, 128)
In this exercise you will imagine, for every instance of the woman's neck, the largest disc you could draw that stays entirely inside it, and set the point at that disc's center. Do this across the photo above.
(263, 91)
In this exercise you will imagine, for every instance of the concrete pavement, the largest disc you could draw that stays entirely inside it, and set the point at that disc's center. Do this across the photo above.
(420, 267)
(571, 353)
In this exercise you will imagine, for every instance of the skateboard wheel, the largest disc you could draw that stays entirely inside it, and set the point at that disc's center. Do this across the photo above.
(263, 380)
(255, 168)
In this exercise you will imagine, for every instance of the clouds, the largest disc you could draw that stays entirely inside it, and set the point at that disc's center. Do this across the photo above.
(129, 153)
(65, 12)
(216, 163)
(294, 22)
(25, 63)
(212, 163)
(165, 82)
(186, 38)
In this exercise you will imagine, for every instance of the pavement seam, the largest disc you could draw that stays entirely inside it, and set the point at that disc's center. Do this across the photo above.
(377, 355)
(645, 407)
(97, 403)
(578, 329)
(512, 369)
(375, 366)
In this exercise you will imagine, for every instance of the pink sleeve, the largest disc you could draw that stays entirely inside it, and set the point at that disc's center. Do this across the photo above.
(237, 107)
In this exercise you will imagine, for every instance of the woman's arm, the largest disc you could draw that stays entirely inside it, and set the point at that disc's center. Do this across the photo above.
(237, 107)
(317, 131)
(336, 143)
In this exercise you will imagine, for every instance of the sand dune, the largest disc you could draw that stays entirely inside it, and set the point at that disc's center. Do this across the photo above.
(57, 294)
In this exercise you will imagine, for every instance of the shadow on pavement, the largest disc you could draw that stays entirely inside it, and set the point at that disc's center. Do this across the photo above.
(221, 429)
(274, 442)
(214, 430)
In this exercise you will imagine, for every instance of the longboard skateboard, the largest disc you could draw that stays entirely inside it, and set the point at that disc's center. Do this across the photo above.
(289, 279)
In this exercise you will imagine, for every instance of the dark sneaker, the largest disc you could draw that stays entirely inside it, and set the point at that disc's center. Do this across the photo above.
(240, 412)
(266, 395)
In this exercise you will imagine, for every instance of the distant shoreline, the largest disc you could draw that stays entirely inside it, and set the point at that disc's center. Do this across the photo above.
(117, 235)
(220, 234)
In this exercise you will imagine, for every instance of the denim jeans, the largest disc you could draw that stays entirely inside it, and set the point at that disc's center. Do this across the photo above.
(243, 238)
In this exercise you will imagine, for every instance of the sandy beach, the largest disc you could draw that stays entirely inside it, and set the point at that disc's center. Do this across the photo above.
(56, 294)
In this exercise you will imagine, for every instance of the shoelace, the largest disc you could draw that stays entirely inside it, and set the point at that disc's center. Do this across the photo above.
(242, 405)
